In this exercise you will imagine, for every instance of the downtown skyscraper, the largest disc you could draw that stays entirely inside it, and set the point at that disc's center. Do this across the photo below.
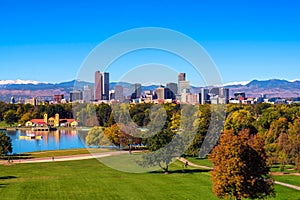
(101, 86)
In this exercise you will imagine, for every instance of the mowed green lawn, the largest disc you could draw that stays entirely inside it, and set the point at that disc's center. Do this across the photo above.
(89, 179)
(290, 179)
(200, 161)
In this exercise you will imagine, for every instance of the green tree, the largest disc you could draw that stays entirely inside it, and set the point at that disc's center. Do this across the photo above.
(97, 138)
(201, 125)
(240, 167)
(277, 127)
(25, 118)
(239, 120)
(268, 116)
(103, 113)
(10, 117)
(5, 144)
(161, 153)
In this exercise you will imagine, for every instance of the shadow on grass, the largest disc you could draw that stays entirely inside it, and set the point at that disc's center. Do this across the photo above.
(7, 177)
(3, 185)
(182, 171)
(17, 157)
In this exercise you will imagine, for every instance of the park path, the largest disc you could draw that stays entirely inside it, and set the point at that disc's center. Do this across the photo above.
(66, 158)
(210, 168)
(288, 185)
(193, 164)
(100, 155)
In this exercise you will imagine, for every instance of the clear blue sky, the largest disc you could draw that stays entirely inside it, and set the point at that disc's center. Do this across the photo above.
(250, 39)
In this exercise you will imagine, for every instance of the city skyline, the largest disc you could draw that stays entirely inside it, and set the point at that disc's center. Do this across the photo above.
(246, 40)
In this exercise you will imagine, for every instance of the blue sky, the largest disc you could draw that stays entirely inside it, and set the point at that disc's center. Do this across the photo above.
(249, 39)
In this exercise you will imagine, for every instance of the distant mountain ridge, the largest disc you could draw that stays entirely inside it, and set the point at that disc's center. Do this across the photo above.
(254, 88)
(272, 88)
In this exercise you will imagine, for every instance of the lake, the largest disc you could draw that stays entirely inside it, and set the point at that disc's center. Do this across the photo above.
(52, 140)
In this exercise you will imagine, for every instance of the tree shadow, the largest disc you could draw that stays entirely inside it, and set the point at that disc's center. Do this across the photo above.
(3, 185)
(182, 171)
(7, 177)
(17, 156)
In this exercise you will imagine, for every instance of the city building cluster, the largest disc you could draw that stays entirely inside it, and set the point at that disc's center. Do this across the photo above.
(180, 92)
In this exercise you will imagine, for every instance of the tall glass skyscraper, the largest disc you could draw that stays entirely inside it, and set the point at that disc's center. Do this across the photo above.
(101, 86)
(105, 94)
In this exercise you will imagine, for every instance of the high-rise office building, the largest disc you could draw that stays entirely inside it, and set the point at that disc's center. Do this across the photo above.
(204, 95)
(183, 86)
(76, 96)
(160, 93)
(190, 98)
(105, 94)
(119, 96)
(136, 90)
(169, 94)
(214, 91)
(101, 86)
(181, 77)
(87, 93)
(173, 87)
(98, 85)
(224, 93)
(58, 98)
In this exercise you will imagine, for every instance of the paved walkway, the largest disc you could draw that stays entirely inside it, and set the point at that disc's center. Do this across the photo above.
(205, 167)
(288, 185)
(66, 158)
(193, 164)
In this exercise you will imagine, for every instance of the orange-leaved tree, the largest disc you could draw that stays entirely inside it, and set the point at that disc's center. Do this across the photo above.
(240, 166)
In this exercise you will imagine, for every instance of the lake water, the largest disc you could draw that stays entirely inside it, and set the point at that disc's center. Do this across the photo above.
(52, 140)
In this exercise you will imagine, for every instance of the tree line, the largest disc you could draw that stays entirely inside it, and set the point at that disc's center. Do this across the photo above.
(253, 137)
(278, 125)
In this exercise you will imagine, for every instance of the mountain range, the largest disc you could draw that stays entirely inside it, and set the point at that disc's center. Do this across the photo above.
(29, 89)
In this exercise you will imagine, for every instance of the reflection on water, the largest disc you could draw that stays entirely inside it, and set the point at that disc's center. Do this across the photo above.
(30, 141)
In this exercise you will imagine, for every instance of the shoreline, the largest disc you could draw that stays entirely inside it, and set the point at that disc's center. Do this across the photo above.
(30, 128)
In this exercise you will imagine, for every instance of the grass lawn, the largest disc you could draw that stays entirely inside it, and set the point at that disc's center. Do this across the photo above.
(89, 179)
(200, 161)
(287, 168)
(290, 179)
(67, 152)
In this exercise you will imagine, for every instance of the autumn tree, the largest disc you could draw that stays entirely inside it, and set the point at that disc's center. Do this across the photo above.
(240, 168)
(114, 134)
(294, 142)
(283, 149)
